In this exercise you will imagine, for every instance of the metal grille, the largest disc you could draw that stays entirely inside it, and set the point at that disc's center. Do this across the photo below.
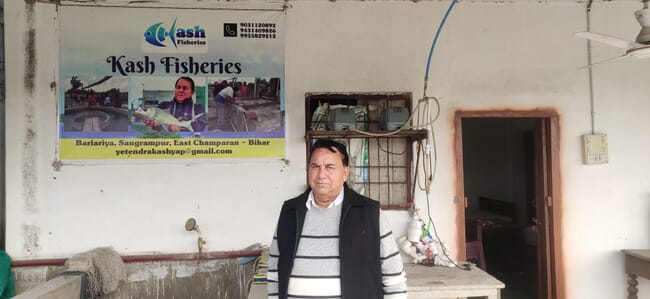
(380, 166)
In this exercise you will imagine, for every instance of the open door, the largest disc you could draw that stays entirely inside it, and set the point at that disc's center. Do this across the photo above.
(545, 172)
(548, 214)
(542, 203)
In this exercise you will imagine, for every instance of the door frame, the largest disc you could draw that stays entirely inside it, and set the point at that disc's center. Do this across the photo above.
(550, 119)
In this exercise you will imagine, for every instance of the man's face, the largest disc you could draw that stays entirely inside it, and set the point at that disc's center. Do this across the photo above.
(183, 90)
(326, 175)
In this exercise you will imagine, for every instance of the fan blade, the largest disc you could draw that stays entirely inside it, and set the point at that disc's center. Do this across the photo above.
(603, 61)
(642, 52)
(608, 40)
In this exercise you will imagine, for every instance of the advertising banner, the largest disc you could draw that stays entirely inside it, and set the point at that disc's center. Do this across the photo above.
(143, 83)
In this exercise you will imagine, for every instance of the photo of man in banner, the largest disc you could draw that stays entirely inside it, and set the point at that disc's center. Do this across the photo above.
(161, 113)
(244, 104)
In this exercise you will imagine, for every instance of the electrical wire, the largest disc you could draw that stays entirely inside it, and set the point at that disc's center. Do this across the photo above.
(415, 175)
(431, 226)
(423, 114)
(423, 101)
(589, 71)
(429, 161)
(435, 233)
(430, 156)
(432, 160)
(381, 148)
(422, 185)
(429, 152)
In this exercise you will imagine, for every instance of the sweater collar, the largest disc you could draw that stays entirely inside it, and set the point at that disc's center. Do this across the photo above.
(337, 201)
(350, 198)
(184, 103)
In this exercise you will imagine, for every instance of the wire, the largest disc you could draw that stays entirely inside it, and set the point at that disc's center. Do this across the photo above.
(424, 101)
(430, 156)
(435, 233)
(387, 151)
(424, 170)
(429, 173)
(432, 225)
(589, 71)
(415, 175)
(429, 161)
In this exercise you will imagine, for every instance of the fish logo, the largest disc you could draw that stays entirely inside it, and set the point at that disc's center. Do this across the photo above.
(156, 34)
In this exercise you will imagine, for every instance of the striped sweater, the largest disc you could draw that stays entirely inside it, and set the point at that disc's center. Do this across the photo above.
(316, 269)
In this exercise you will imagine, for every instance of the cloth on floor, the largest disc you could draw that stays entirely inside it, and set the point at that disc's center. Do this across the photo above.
(104, 267)
(6, 276)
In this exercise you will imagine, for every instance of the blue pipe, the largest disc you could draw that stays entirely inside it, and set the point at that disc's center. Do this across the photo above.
(435, 39)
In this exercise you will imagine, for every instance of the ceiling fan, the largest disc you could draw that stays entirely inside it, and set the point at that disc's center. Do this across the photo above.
(640, 48)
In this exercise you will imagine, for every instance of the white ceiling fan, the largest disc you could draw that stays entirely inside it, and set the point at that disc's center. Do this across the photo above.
(640, 48)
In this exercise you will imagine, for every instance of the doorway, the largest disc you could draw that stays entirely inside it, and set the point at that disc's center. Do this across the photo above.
(509, 181)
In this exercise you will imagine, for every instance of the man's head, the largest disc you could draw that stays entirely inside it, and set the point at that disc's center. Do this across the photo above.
(327, 170)
(184, 89)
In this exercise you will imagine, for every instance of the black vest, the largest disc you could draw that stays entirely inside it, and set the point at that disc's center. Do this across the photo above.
(359, 244)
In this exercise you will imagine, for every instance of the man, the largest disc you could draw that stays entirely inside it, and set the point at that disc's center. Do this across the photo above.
(224, 100)
(243, 90)
(182, 107)
(90, 99)
(331, 242)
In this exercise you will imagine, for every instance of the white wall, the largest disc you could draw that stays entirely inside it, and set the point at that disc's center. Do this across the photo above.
(490, 56)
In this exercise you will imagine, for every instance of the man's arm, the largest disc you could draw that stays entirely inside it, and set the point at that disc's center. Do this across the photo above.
(199, 124)
(392, 268)
(272, 273)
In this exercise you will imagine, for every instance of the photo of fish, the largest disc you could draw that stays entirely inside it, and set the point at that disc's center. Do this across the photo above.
(167, 107)
(163, 118)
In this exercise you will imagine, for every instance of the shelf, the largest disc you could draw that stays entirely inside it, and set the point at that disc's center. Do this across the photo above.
(381, 162)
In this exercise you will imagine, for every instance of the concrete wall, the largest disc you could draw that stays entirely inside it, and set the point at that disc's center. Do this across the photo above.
(491, 55)
(224, 279)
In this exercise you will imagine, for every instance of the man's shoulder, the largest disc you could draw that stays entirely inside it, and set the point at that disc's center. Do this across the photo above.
(359, 199)
(165, 104)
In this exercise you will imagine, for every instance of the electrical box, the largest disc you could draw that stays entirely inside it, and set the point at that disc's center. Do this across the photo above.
(393, 118)
(342, 119)
(594, 149)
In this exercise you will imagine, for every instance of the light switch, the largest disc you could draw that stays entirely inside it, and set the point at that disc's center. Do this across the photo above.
(594, 149)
